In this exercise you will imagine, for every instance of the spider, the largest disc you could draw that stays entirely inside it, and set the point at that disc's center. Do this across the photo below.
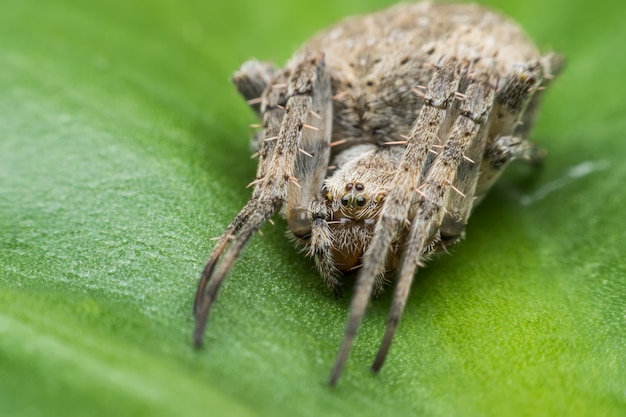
(378, 138)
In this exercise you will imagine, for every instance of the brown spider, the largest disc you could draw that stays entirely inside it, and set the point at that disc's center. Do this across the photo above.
(379, 137)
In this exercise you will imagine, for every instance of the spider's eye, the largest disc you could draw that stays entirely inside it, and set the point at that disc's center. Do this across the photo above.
(359, 186)
(344, 200)
(360, 201)
(349, 186)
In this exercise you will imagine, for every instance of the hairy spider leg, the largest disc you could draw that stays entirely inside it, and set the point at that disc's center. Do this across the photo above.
(469, 131)
(307, 85)
(433, 117)
(518, 90)
(274, 100)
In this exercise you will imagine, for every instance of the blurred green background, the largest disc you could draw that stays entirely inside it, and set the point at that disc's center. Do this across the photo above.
(124, 149)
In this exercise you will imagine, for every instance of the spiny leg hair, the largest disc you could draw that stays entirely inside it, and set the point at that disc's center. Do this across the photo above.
(425, 132)
(307, 84)
(469, 131)
(465, 145)
(273, 102)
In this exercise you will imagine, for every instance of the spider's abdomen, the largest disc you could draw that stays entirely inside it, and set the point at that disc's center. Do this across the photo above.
(377, 61)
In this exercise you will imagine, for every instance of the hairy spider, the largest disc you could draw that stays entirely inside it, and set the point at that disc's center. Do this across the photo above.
(379, 137)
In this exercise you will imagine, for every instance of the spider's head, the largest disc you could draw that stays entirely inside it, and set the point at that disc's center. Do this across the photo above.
(354, 209)
(354, 201)
(354, 195)
(356, 190)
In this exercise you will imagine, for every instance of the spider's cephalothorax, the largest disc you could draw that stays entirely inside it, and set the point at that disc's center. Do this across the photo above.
(379, 137)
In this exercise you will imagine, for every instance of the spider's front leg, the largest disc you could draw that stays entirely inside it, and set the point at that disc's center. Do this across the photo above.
(273, 101)
(452, 176)
(431, 122)
(279, 158)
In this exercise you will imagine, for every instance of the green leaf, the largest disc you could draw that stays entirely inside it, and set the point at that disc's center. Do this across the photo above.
(124, 149)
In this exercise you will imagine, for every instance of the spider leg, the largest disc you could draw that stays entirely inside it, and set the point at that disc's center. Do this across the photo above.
(507, 148)
(274, 100)
(252, 80)
(430, 124)
(278, 168)
(552, 64)
(467, 136)
(514, 113)
(514, 143)
(470, 136)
